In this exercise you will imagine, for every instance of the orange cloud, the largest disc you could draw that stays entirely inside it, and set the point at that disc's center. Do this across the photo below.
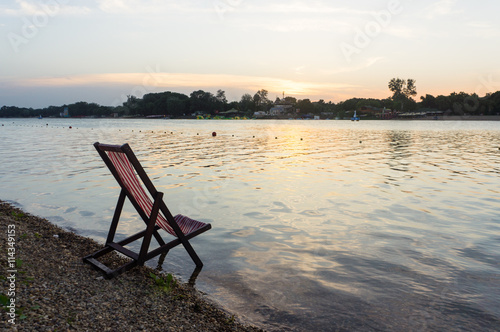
(156, 80)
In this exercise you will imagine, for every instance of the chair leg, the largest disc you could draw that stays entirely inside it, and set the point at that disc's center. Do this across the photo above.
(161, 259)
(116, 217)
(158, 238)
(192, 253)
(150, 230)
(194, 275)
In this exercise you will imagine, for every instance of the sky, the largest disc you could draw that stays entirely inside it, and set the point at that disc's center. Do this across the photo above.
(55, 52)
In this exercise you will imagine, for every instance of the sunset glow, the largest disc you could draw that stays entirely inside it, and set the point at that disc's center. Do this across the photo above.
(63, 51)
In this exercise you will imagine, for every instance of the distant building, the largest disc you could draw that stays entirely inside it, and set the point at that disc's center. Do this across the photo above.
(65, 113)
(281, 110)
(383, 113)
(259, 114)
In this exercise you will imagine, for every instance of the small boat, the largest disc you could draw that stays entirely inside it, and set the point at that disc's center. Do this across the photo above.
(40, 117)
(355, 117)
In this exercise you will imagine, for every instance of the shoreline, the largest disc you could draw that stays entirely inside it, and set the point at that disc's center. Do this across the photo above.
(46, 286)
(441, 118)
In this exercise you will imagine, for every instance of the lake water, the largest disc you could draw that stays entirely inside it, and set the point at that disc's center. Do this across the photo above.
(317, 225)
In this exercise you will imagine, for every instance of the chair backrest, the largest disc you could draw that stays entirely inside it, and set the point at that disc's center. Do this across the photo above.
(132, 178)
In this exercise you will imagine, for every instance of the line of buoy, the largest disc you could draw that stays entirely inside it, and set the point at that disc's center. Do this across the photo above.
(214, 134)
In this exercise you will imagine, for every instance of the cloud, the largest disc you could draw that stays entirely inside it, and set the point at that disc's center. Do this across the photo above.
(297, 25)
(349, 69)
(441, 8)
(483, 30)
(117, 5)
(405, 32)
(153, 81)
(152, 7)
(51, 8)
(296, 16)
(300, 7)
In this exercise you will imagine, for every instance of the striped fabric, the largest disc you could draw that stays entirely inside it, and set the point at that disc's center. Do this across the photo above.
(134, 186)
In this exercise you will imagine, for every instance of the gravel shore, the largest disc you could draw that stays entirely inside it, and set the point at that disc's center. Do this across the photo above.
(56, 291)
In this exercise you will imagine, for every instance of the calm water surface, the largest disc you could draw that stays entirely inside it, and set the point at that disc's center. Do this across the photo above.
(317, 225)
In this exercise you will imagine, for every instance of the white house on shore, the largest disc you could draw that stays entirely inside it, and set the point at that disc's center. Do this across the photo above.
(259, 114)
(281, 110)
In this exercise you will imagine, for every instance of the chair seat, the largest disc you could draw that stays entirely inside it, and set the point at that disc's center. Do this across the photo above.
(188, 225)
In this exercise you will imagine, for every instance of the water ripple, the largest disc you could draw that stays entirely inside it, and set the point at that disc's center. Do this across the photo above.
(317, 225)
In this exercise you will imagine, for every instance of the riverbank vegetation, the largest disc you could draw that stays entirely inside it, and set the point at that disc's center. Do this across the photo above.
(205, 104)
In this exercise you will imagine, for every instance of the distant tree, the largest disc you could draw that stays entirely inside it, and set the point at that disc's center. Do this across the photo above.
(247, 105)
(166, 103)
(463, 103)
(402, 88)
(52, 111)
(330, 107)
(177, 104)
(305, 106)
(221, 100)
(263, 94)
(368, 103)
(234, 105)
(9, 111)
(402, 92)
(443, 103)
(490, 104)
(290, 100)
(221, 96)
(348, 105)
(319, 106)
(81, 108)
(387, 103)
(410, 90)
(203, 102)
(120, 110)
(429, 101)
(131, 105)
(262, 103)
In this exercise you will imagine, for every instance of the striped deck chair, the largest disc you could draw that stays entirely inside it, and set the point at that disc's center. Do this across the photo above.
(138, 188)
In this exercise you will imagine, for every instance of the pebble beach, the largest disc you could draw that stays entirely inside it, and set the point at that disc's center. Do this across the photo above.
(47, 287)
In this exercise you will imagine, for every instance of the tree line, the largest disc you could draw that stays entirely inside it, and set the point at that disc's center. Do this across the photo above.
(178, 105)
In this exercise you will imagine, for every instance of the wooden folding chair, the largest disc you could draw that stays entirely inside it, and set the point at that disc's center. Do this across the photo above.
(138, 188)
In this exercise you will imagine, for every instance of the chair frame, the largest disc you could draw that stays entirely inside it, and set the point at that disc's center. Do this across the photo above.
(138, 259)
